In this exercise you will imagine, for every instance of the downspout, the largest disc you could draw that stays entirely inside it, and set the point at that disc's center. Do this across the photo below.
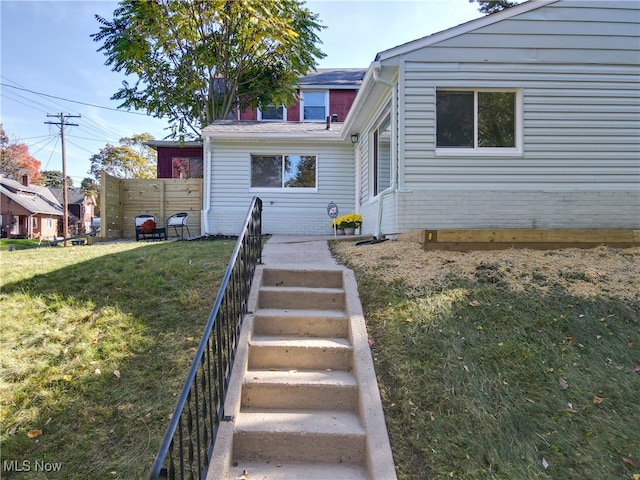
(358, 192)
(392, 188)
(206, 187)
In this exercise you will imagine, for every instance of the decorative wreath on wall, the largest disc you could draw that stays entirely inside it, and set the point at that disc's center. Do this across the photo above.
(148, 226)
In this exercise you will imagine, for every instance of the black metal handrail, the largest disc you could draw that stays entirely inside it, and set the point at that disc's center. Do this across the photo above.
(188, 443)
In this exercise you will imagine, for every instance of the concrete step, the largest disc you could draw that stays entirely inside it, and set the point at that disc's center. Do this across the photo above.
(302, 278)
(299, 436)
(277, 470)
(311, 323)
(300, 389)
(301, 353)
(310, 298)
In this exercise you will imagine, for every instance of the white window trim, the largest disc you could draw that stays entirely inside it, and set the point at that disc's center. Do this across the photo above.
(284, 116)
(284, 189)
(483, 151)
(326, 104)
(373, 166)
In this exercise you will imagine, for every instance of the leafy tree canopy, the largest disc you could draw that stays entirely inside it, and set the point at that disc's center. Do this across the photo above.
(194, 61)
(130, 159)
(53, 178)
(15, 160)
(89, 186)
(493, 6)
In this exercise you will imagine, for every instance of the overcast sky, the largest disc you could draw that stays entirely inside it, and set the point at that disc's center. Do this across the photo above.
(46, 48)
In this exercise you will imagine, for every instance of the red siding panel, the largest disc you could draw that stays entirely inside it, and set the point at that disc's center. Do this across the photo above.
(340, 102)
(165, 154)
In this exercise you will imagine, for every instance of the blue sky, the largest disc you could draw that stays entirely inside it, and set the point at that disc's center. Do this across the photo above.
(46, 48)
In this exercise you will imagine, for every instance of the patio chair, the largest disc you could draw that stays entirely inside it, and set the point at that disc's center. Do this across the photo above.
(146, 233)
(179, 220)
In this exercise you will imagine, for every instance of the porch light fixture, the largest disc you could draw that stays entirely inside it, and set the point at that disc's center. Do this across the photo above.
(354, 138)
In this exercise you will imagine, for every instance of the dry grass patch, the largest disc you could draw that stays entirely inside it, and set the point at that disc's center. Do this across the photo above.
(514, 364)
(584, 273)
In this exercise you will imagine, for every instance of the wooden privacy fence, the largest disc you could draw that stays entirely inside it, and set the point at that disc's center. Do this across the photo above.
(121, 200)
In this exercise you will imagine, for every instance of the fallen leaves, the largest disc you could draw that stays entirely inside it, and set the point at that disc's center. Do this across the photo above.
(34, 433)
(597, 400)
(563, 383)
(628, 461)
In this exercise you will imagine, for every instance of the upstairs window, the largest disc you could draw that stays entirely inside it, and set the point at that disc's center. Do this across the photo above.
(477, 119)
(314, 105)
(283, 171)
(272, 113)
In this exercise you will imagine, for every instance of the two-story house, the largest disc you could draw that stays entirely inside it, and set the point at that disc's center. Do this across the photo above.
(320, 94)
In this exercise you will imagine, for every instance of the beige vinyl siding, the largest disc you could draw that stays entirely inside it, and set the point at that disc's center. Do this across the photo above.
(285, 211)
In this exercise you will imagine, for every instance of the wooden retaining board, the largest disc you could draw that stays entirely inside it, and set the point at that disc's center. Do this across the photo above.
(499, 239)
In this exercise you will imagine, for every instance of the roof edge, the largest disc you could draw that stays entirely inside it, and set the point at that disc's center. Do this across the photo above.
(462, 29)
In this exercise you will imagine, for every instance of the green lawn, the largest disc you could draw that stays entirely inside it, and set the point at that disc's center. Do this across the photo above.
(484, 378)
(18, 244)
(96, 344)
(480, 378)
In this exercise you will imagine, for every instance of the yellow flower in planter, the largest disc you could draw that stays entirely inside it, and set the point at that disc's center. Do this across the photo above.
(351, 220)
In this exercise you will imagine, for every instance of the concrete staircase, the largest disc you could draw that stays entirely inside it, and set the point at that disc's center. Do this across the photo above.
(305, 404)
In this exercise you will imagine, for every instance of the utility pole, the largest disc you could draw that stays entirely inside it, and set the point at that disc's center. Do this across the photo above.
(65, 193)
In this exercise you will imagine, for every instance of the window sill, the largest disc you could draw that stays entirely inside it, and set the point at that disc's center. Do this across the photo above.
(282, 190)
(478, 152)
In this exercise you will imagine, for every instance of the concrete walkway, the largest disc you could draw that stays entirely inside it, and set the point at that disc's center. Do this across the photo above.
(303, 396)
(286, 250)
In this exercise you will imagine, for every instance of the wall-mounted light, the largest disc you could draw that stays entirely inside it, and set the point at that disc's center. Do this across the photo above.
(354, 138)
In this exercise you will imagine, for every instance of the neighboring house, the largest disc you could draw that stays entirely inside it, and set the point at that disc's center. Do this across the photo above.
(81, 209)
(528, 118)
(28, 211)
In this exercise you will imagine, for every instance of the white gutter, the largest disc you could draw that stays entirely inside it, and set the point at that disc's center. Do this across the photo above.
(206, 197)
(394, 104)
(376, 70)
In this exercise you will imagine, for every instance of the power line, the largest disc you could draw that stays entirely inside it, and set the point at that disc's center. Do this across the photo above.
(46, 107)
(46, 167)
(73, 101)
(81, 148)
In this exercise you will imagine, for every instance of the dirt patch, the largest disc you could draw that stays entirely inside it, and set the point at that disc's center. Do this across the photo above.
(582, 272)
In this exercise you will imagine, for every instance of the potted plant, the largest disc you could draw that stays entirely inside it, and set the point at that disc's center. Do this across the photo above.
(348, 223)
